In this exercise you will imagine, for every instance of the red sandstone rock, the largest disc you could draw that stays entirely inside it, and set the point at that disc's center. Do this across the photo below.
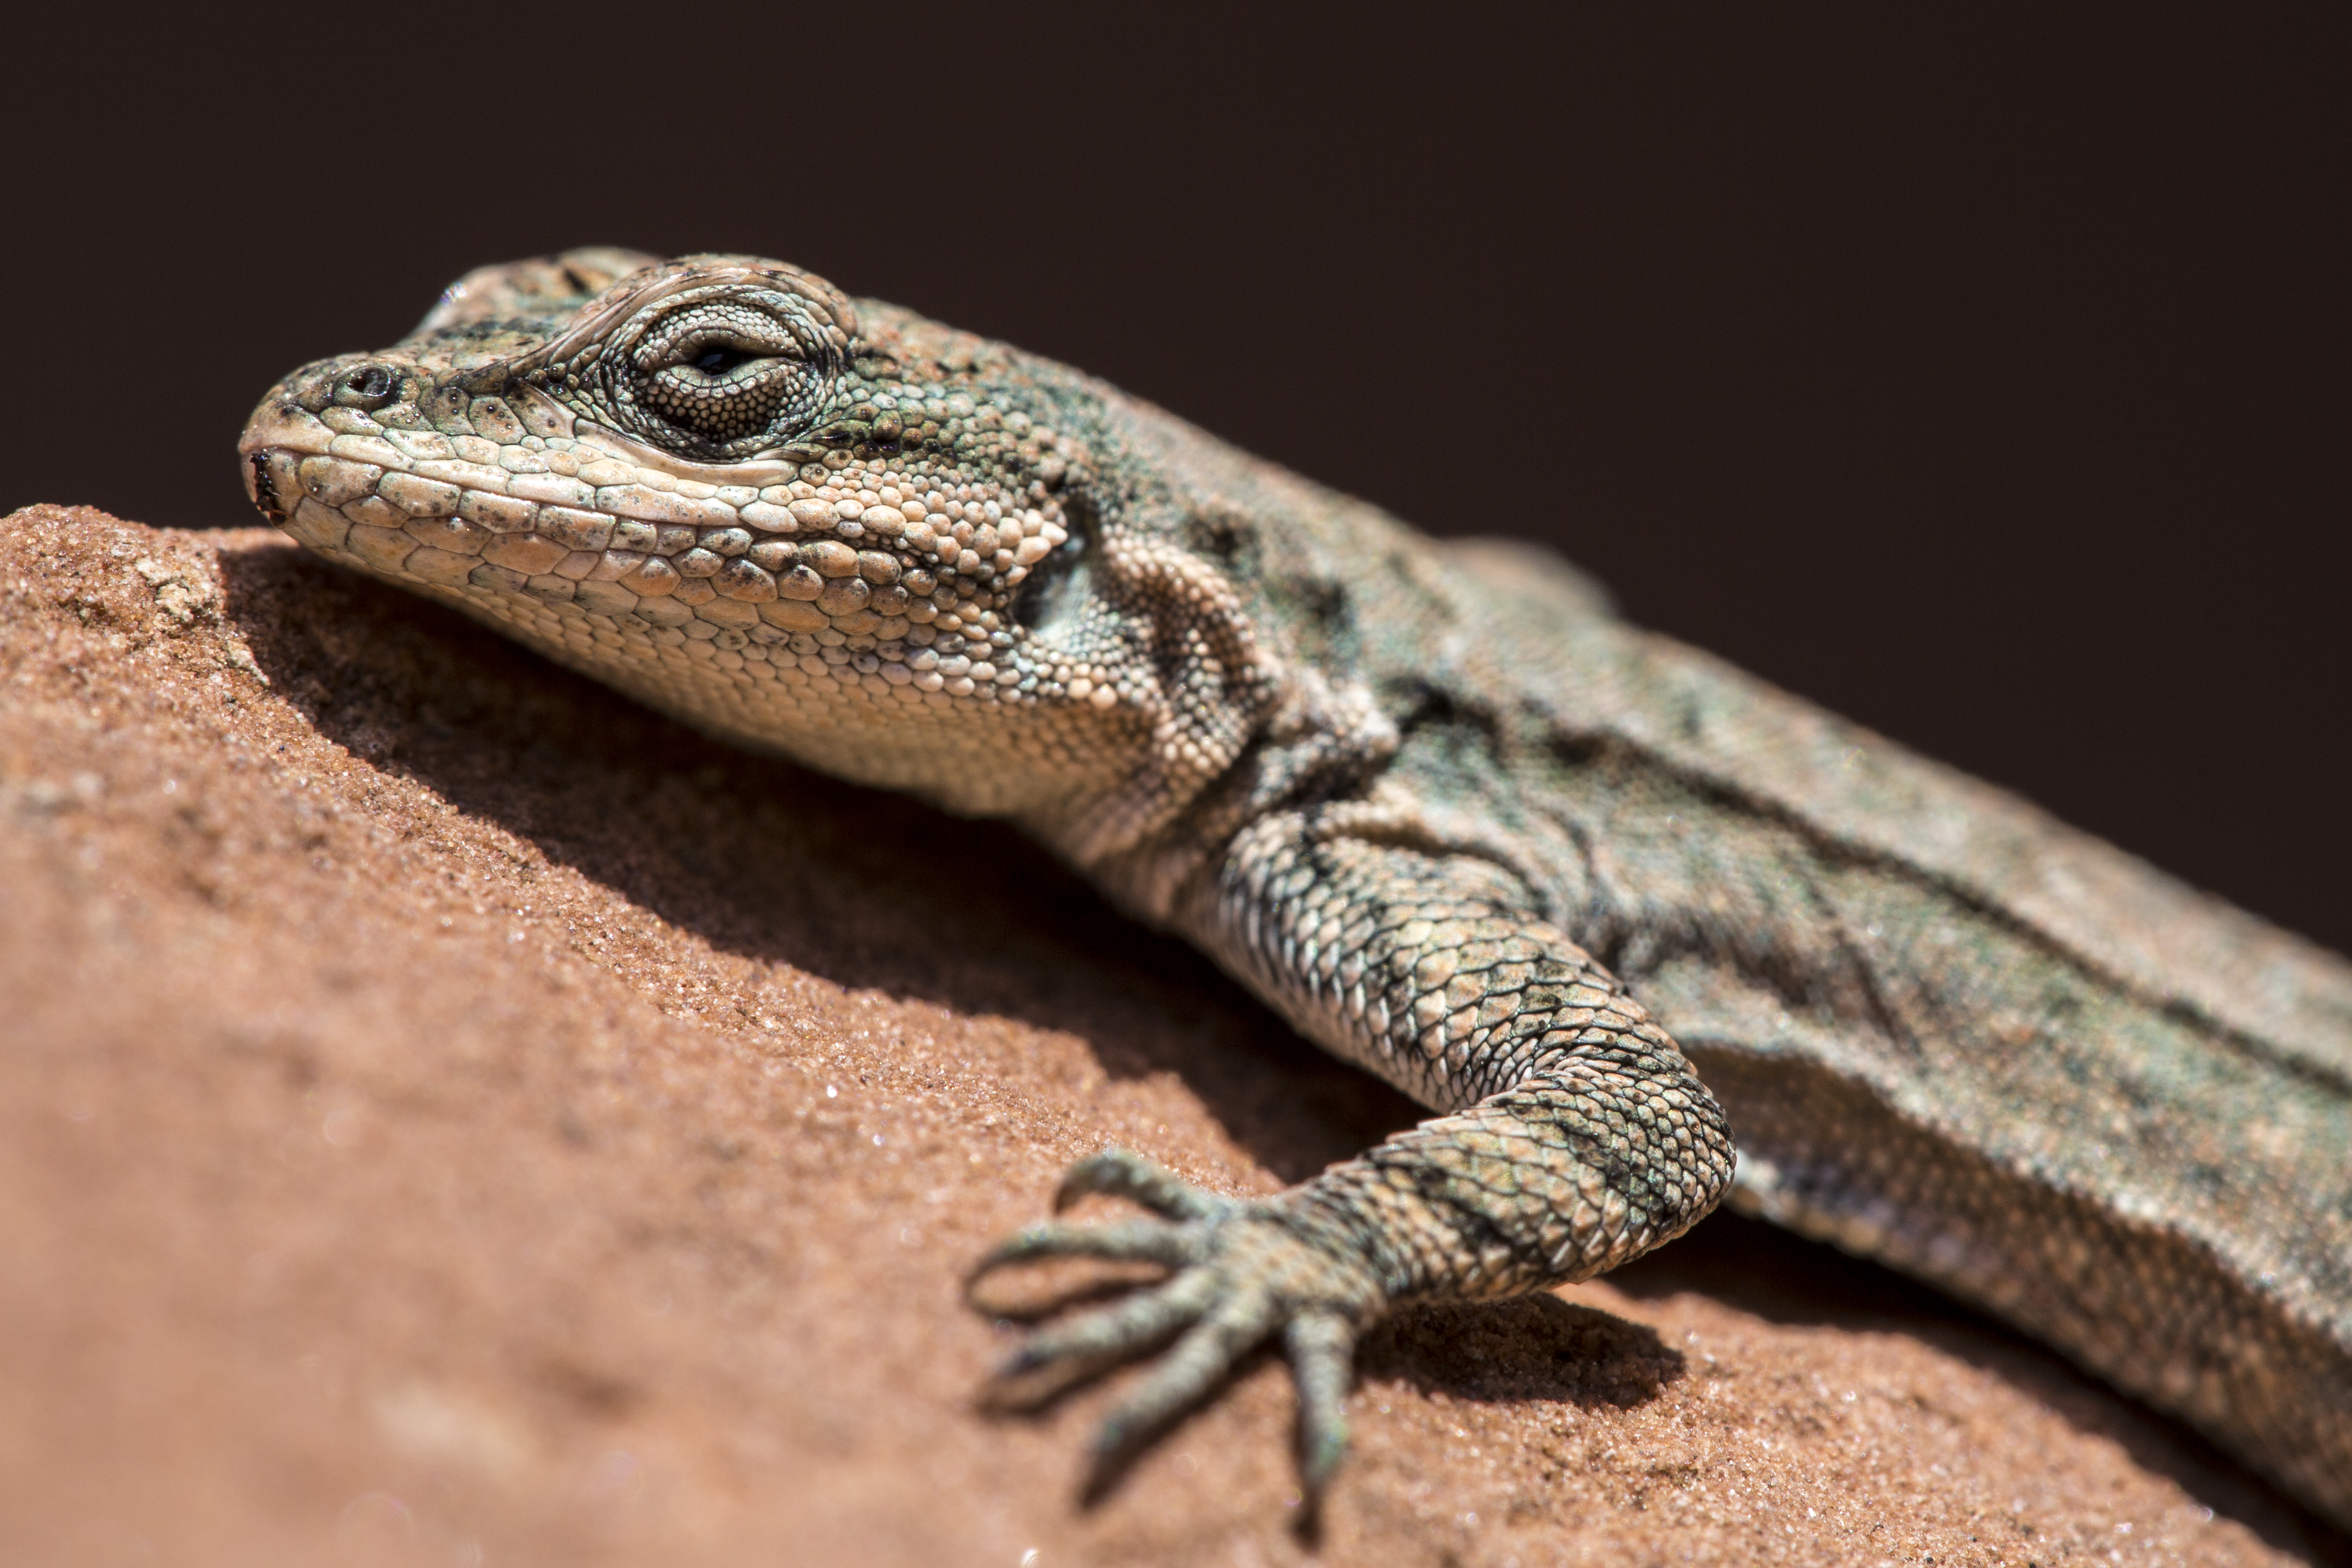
(448, 1115)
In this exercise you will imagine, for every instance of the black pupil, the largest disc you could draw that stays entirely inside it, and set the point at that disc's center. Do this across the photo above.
(372, 382)
(719, 361)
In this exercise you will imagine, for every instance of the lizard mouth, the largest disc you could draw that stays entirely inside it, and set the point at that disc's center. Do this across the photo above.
(381, 463)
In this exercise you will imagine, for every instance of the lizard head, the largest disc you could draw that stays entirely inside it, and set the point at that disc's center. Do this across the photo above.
(825, 528)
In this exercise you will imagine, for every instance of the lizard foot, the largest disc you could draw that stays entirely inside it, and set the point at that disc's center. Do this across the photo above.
(1239, 1274)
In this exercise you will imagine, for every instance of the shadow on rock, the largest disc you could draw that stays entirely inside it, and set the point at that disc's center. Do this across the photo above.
(774, 863)
(1532, 1347)
(1784, 1279)
(778, 864)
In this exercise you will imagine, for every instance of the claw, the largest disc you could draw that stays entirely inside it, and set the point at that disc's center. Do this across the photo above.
(1322, 1347)
(1239, 1273)
(1123, 1173)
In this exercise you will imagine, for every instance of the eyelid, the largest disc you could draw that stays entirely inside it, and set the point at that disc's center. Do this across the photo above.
(786, 357)
(685, 350)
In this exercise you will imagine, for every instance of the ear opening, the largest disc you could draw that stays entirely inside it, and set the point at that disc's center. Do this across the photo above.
(1056, 589)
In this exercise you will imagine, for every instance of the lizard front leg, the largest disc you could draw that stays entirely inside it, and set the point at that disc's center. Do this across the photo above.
(1577, 1138)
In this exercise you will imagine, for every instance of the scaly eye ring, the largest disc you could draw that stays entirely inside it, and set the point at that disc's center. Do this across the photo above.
(717, 365)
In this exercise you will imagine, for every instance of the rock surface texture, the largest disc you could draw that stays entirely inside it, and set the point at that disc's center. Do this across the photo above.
(450, 1115)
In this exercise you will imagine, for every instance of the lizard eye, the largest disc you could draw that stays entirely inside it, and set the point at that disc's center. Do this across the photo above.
(720, 378)
(722, 386)
(720, 372)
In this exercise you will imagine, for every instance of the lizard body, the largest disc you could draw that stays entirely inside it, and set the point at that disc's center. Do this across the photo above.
(1433, 800)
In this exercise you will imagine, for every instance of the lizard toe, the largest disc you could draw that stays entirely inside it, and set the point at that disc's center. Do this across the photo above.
(1273, 1277)
(1053, 1359)
(1135, 1241)
(1243, 1274)
(1123, 1173)
(1237, 1323)
(1322, 1349)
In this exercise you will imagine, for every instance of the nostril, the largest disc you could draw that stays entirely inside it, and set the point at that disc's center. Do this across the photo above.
(369, 386)
(273, 479)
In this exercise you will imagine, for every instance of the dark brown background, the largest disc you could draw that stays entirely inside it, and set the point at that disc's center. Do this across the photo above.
(1981, 378)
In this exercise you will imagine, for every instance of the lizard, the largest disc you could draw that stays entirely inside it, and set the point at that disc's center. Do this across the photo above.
(1597, 900)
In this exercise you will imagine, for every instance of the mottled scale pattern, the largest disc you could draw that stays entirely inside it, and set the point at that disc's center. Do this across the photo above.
(2170, 1319)
(1433, 800)
(1582, 1138)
